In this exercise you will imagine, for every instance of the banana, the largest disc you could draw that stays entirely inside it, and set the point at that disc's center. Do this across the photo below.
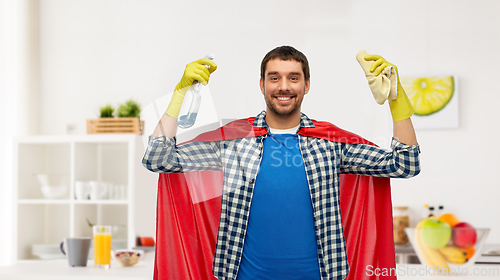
(456, 260)
(432, 257)
(454, 254)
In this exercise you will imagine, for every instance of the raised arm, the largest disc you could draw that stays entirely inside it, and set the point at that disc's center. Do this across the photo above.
(403, 132)
(195, 71)
(401, 108)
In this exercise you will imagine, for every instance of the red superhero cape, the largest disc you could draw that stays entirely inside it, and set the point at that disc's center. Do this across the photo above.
(188, 213)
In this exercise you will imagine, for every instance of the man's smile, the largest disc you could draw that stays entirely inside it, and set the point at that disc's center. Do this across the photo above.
(284, 99)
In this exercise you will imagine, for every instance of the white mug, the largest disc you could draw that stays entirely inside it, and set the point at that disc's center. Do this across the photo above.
(82, 190)
(98, 190)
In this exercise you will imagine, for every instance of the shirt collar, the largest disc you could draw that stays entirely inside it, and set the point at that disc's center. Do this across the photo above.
(260, 121)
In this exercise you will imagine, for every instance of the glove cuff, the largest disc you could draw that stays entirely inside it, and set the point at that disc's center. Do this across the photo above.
(174, 107)
(401, 107)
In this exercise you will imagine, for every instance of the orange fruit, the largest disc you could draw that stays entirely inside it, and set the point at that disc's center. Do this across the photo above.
(470, 252)
(450, 219)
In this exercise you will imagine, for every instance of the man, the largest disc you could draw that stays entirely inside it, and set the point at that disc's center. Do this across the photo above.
(280, 214)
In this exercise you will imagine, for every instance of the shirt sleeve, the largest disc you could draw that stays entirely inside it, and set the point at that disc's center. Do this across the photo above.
(402, 161)
(165, 156)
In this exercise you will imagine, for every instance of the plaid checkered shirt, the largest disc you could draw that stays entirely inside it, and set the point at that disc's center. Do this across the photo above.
(324, 161)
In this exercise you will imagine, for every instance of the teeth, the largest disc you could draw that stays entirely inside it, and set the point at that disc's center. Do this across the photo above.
(283, 98)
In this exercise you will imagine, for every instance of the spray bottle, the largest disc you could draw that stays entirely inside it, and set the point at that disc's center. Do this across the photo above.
(193, 100)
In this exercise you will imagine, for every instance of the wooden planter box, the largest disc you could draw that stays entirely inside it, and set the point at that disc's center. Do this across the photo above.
(115, 125)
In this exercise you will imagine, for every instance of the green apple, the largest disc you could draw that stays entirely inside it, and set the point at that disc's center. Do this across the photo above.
(435, 234)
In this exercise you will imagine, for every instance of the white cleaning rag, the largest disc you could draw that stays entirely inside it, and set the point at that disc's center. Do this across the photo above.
(383, 86)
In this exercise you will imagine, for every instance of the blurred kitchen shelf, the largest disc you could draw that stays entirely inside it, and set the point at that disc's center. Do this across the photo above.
(103, 201)
(43, 201)
(67, 201)
(114, 158)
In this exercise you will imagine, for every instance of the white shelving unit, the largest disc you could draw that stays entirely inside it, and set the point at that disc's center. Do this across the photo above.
(112, 158)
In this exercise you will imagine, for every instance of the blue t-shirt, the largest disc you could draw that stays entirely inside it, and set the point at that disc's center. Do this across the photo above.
(280, 242)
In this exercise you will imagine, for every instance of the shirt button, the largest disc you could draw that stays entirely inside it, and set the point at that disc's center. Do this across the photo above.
(242, 233)
(246, 207)
(251, 181)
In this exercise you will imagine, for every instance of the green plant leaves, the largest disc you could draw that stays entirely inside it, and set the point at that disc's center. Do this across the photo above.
(129, 109)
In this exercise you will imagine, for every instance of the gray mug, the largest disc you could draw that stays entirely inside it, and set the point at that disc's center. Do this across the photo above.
(78, 250)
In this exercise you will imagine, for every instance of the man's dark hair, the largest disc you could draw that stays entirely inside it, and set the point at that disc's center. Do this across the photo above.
(285, 53)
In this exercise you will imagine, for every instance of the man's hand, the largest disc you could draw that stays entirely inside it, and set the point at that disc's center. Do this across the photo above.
(401, 107)
(380, 64)
(195, 71)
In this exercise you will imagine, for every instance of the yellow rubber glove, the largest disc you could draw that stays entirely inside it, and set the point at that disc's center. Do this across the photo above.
(401, 107)
(195, 71)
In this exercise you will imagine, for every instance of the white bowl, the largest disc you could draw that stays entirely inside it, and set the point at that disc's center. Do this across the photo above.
(52, 185)
(128, 257)
(54, 192)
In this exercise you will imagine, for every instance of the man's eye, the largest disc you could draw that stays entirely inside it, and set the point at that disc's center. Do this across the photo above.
(274, 78)
(293, 78)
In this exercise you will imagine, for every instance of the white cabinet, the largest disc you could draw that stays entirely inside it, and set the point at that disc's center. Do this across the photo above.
(114, 159)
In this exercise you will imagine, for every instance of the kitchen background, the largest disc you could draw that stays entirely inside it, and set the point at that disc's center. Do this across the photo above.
(61, 60)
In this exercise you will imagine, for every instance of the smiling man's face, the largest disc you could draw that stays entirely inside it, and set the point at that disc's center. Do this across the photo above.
(284, 87)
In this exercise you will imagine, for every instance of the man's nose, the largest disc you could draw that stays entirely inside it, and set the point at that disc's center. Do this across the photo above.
(284, 85)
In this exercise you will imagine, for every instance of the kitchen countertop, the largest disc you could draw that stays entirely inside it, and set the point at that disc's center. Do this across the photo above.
(60, 270)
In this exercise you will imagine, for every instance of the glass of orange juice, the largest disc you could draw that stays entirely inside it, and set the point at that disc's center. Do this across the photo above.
(102, 246)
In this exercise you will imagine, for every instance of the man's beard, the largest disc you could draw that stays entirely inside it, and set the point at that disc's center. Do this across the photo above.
(282, 113)
(275, 108)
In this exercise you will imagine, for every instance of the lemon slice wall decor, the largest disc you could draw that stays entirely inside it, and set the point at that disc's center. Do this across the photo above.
(429, 95)
(431, 99)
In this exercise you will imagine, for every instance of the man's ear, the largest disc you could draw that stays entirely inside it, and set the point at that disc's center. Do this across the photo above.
(307, 85)
(262, 86)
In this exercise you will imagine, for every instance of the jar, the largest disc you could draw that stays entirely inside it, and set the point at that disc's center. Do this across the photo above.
(401, 220)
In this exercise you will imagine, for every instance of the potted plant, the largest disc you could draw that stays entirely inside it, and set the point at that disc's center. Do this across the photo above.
(107, 112)
(129, 109)
(126, 120)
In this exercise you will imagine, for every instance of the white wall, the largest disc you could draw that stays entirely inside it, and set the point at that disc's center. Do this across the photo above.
(98, 52)
(19, 97)
(6, 208)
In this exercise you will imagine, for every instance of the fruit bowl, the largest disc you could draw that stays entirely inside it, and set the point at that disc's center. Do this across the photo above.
(128, 257)
(448, 251)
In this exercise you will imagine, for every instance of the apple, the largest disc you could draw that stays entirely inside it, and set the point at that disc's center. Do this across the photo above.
(464, 235)
(435, 234)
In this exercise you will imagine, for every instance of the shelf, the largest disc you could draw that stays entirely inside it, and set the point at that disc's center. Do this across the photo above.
(44, 201)
(111, 159)
(67, 201)
(41, 224)
(102, 202)
(59, 139)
